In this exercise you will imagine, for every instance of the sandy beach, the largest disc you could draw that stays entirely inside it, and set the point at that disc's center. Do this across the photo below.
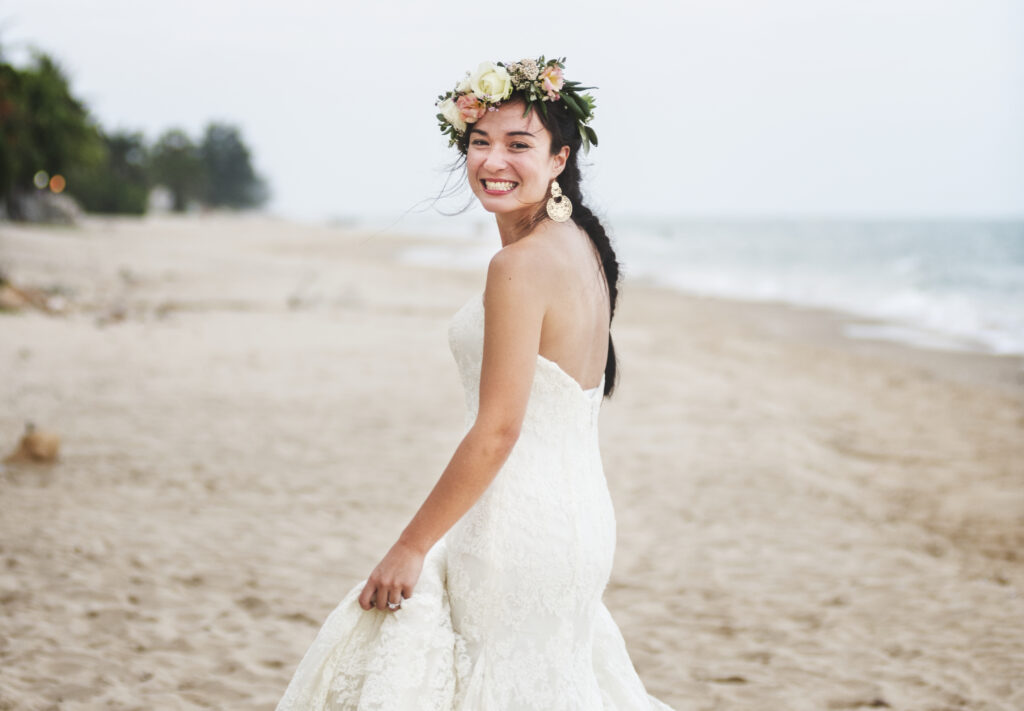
(251, 410)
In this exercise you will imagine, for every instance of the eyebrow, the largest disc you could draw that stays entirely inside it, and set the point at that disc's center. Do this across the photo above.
(510, 133)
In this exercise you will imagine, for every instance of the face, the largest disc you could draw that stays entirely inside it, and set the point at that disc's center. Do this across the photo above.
(509, 161)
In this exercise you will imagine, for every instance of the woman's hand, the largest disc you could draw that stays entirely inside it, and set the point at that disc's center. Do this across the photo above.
(393, 579)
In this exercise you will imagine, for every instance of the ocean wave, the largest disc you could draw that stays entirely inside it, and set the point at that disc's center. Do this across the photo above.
(956, 285)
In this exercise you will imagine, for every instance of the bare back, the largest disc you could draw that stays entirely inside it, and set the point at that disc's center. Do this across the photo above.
(574, 333)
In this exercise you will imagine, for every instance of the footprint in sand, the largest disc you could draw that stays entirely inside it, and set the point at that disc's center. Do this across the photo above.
(255, 606)
(300, 617)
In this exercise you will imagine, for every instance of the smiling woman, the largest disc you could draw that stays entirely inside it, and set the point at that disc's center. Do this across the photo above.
(509, 163)
(491, 599)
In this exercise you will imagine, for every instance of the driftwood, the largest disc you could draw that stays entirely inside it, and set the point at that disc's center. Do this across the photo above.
(13, 298)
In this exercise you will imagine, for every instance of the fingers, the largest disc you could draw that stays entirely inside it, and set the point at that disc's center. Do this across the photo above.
(366, 597)
(382, 599)
(375, 595)
(392, 580)
(394, 600)
(389, 599)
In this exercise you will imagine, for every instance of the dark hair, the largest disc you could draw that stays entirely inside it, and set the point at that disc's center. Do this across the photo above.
(561, 123)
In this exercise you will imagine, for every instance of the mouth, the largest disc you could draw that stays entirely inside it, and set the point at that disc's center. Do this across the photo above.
(498, 187)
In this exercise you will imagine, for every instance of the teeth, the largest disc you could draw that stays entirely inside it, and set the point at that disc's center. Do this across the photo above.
(499, 184)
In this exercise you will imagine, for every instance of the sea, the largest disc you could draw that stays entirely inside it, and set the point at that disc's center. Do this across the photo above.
(945, 284)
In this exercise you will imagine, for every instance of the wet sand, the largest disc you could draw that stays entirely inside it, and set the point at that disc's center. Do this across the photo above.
(251, 410)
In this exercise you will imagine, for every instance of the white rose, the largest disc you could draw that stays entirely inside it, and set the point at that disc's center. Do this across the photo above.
(490, 82)
(452, 114)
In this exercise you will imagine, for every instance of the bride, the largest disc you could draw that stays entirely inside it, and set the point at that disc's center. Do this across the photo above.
(490, 600)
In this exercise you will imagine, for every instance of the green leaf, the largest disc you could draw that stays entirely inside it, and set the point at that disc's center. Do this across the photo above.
(573, 106)
(591, 134)
(584, 139)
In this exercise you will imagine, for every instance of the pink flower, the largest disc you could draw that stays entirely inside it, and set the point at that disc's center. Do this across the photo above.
(470, 107)
(552, 80)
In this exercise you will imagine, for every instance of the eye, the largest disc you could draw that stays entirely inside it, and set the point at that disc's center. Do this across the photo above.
(478, 142)
(519, 145)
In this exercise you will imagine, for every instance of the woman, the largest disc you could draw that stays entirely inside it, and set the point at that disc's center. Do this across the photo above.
(491, 597)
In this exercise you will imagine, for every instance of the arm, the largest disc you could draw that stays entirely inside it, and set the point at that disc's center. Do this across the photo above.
(515, 312)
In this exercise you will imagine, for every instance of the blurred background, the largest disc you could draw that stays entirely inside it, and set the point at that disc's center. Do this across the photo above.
(226, 277)
(866, 156)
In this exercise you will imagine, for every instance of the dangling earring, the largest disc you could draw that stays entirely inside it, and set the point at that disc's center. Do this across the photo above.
(559, 206)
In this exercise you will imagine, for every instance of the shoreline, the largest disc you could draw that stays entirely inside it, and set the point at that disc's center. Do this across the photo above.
(813, 325)
(805, 521)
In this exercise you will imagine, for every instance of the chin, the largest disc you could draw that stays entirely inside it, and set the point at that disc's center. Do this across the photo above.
(506, 205)
(491, 205)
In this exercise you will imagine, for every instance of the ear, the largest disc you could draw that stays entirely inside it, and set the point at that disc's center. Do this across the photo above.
(558, 161)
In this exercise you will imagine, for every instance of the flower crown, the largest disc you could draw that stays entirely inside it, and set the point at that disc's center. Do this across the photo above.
(538, 80)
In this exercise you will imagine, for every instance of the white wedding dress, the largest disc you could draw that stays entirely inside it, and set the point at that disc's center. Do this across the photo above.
(507, 614)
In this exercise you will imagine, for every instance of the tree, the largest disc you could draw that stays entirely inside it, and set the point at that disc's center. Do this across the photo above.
(42, 128)
(230, 178)
(120, 182)
(176, 163)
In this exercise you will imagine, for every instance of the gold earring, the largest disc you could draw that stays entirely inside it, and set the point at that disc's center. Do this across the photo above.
(559, 206)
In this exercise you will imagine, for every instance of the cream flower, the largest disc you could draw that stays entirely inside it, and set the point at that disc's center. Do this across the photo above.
(530, 69)
(452, 114)
(490, 82)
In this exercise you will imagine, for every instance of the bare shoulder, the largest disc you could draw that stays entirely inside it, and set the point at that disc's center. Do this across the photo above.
(534, 261)
(512, 288)
(519, 259)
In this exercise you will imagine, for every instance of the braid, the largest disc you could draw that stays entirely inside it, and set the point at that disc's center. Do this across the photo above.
(564, 132)
(589, 223)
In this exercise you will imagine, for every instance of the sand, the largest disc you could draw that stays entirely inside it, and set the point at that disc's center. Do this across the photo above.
(250, 411)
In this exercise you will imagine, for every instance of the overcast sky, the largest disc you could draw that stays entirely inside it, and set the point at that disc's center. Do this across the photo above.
(862, 108)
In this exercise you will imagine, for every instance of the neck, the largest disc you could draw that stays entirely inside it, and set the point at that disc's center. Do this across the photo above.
(512, 227)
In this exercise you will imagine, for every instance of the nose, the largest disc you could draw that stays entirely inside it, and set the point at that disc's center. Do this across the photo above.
(496, 159)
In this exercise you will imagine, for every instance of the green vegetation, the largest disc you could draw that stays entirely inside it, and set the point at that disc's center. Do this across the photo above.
(177, 165)
(45, 131)
(229, 178)
(119, 182)
(42, 128)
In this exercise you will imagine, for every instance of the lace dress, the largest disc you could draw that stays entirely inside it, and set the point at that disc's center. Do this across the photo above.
(507, 614)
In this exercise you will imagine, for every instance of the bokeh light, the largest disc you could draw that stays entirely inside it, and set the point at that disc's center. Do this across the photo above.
(41, 179)
(58, 183)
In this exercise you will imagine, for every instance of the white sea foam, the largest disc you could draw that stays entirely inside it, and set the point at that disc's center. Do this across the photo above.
(941, 285)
